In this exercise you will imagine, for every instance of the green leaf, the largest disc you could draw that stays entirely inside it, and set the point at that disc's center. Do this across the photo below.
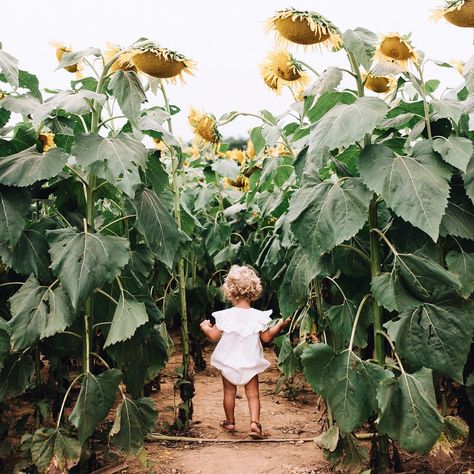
(469, 179)
(294, 291)
(28, 166)
(115, 159)
(326, 82)
(446, 109)
(84, 261)
(325, 103)
(4, 341)
(151, 124)
(4, 117)
(329, 439)
(462, 264)
(361, 43)
(217, 236)
(155, 173)
(287, 361)
(157, 226)
(14, 206)
(38, 312)
(30, 82)
(456, 151)
(73, 57)
(16, 375)
(52, 446)
(415, 187)
(332, 130)
(458, 220)
(408, 411)
(436, 335)
(257, 139)
(133, 421)
(94, 402)
(73, 102)
(9, 67)
(21, 104)
(225, 167)
(317, 360)
(431, 85)
(326, 215)
(470, 388)
(129, 93)
(129, 315)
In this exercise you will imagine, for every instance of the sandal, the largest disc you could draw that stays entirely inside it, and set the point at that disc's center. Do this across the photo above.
(226, 424)
(257, 434)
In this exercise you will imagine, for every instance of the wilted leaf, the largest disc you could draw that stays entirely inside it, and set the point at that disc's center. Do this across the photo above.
(9, 67)
(329, 439)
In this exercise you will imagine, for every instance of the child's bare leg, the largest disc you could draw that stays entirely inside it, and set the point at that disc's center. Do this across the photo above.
(253, 398)
(230, 390)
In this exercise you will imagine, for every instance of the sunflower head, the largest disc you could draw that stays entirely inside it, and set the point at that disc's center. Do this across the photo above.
(250, 150)
(303, 28)
(458, 12)
(205, 126)
(121, 63)
(281, 68)
(236, 155)
(150, 58)
(379, 84)
(60, 50)
(242, 183)
(47, 141)
(396, 49)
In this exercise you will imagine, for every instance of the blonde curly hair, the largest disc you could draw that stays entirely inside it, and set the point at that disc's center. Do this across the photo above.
(242, 282)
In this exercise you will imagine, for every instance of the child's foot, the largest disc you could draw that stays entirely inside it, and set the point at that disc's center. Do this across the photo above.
(228, 425)
(256, 431)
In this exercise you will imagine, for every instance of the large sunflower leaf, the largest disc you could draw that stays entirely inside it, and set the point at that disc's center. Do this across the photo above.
(9, 67)
(115, 159)
(21, 104)
(456, 151)
(4, 341)
(294, 291)
(316, 360)
(326, 82)
(361, 43)
(73, 102)
(458, 220)
(446, 108)
(133, 421)
(129, 315)
(415, 187)
(469, 179)
(14, 206)
(129, 92)
(157, 226)
(336, 212)
(29, 166)
(407, 411)
(83, 261)
(443, 330)
(16, 375)
(50, 445)
(38, 312)
(346, 124)
(425, 278)
(462, 264)
(94, 402)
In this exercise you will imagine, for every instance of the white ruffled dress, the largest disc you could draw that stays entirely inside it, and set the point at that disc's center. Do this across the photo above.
(239, 353)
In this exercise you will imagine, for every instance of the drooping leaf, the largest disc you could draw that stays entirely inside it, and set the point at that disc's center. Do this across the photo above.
(94, 402)
(361, 43)
(329, 439)
(350, 455)
(38, 312)
(415, 187)
(456, 151)
(458, 220)
(287, 361)
(84, 261)
(217, 237)
(128, 316)
(157, 226)
(51, 445)
(73, 57)
(129, 93)
(326, 82)
(28, 166)
(133, 421)
(326, 215)
(462, 264)
(333, 130)
(21, 104)
(151, 123)
(226, 168)
(115, 159)
(14, 206)
(443, 330)
(16, 375)
(155, 173)
(9, 67)
(408, 411)
(4, 341)
(446, 108)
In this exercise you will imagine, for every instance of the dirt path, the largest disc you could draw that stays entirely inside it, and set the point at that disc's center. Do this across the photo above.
(283, 418)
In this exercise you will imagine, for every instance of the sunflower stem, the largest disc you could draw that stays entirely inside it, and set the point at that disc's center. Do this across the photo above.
(426, 106)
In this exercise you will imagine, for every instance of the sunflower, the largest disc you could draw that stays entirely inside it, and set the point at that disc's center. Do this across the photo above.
(242, 183)
(278, 150)
(270, 79)
(236, 155)
(121, 63)
(250, 150)
(304, 28)
(60, 50)
(205, 126)
(47, 141)
(150, 58)
(281, 67)
(457, 12)
(379, 84)
(396, 50)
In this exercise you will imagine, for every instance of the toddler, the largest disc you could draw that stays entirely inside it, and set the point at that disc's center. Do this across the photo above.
(239, 353)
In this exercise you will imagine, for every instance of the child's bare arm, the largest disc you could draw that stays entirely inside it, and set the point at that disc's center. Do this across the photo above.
(270, 334)
(211, 332)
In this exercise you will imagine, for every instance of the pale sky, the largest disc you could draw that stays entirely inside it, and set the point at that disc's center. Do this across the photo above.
(227, 39)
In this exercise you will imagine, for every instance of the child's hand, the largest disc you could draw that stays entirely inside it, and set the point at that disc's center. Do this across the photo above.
(206, 324)
(284, 323)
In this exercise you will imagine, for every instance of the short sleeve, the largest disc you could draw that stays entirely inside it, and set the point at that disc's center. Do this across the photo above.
(244, 324)
(220, 316)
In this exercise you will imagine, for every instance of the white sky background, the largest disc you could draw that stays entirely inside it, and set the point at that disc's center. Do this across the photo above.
(226, 38)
